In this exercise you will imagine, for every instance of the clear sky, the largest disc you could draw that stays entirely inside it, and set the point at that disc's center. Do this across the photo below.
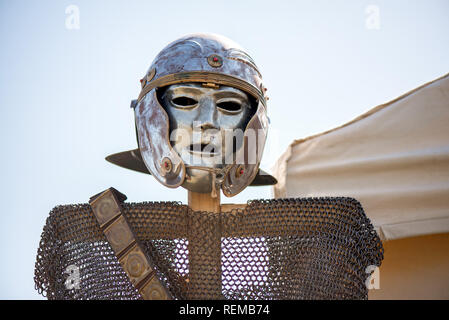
(65, 92)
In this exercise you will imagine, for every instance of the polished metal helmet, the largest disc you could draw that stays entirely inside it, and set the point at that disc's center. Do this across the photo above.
(209, 61)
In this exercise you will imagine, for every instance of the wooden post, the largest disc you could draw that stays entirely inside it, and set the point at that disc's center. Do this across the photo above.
(204, 249)
(204, 202)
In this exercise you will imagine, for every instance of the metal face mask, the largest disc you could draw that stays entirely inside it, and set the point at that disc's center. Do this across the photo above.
(202, 84)
(205, 127)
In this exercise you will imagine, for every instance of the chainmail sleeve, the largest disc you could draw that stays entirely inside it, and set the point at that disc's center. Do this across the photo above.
(304, 248)
(46, 267)
(71, 239)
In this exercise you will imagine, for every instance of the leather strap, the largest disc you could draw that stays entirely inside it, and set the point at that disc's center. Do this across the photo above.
(106, 207)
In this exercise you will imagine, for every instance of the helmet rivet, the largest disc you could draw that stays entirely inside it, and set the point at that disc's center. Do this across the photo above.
(151, 74)
(239, 172)
(215, 60)
(166, 165)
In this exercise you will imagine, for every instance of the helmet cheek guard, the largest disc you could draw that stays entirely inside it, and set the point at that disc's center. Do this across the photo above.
(246, 166)
(154, 142)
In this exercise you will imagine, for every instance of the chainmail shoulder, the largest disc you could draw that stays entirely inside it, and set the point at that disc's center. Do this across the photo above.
(305, 248)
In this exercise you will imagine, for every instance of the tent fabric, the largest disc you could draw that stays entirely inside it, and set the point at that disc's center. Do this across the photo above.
(394, 159)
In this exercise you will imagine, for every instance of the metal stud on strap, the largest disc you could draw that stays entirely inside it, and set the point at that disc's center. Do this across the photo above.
(137, 265)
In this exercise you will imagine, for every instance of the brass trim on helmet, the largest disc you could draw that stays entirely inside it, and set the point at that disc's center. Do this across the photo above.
(202, 76)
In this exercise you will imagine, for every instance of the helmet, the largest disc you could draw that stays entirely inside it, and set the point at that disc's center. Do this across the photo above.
(211, 61)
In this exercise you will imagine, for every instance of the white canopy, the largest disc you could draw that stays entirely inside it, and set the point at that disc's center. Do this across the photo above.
(394, 159)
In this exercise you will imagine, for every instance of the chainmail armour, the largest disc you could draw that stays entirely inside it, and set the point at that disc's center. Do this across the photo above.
(308, 248)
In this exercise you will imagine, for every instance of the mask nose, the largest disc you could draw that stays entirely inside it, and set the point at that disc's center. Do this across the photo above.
(207, 115)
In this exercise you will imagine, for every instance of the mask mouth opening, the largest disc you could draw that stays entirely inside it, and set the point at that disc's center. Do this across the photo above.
(204, 149)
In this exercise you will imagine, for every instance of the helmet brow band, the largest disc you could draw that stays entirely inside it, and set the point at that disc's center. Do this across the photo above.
(205, 77)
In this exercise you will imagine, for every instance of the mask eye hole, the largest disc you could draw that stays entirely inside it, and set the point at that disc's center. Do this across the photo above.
(184, 102)
(231, 107)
